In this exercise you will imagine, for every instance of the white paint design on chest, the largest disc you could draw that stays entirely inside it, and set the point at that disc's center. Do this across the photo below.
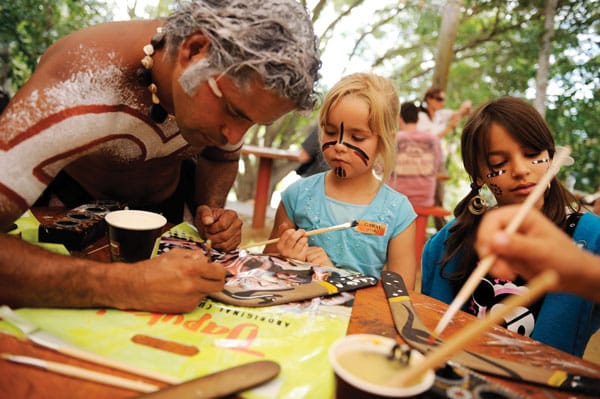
(47, 152)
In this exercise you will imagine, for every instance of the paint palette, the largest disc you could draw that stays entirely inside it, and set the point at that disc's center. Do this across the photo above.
(78, 227)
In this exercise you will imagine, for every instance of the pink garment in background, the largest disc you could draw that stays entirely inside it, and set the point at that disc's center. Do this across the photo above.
(418, 161)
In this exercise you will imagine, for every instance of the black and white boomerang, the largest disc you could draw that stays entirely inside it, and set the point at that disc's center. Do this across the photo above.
(417, 335)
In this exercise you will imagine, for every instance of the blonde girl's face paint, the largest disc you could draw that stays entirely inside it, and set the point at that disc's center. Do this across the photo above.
(512, 170)
(349, 146)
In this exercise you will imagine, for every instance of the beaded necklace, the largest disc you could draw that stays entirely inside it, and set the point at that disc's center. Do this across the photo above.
(144, 76)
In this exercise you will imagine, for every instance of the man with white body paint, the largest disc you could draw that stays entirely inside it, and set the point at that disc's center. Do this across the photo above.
(116, 108)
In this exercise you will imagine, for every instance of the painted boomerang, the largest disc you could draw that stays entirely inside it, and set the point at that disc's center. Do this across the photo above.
(269, 297)
(338, 281)
(415, 333)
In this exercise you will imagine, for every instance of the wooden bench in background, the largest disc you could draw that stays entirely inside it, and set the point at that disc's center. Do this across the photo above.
(265, 156)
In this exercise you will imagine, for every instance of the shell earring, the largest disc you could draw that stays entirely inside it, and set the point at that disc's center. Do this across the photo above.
(477, 204)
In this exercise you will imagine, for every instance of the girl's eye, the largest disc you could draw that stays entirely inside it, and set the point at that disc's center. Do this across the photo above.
(533, 154)
(358, 138)
(330, 133)
(497, 165)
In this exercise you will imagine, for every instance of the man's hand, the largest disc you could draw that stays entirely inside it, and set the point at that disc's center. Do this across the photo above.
(538, 244)
(174, 282)
(222, 227)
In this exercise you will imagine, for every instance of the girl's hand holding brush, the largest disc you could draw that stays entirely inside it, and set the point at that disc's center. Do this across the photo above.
(292, 243)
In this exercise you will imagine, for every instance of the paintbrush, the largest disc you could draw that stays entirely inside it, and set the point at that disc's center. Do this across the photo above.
(82, 373)
(437, 356)
(561, 155)
(322, 230)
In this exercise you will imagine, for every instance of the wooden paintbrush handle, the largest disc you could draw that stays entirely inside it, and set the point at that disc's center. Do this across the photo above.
(307, 234)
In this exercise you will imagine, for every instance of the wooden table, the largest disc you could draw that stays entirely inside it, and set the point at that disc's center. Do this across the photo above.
(265, 165)
(20, 381)
(371, 315)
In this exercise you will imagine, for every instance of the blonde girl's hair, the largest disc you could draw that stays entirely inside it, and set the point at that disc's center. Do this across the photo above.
(380, 95)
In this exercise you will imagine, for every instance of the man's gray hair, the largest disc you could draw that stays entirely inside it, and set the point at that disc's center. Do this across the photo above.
(271, 38)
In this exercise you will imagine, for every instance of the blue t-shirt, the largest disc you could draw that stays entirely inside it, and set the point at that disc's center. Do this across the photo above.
(309, 208)
(562, 320)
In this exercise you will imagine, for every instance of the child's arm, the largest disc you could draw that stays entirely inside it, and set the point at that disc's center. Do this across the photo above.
(401, 255)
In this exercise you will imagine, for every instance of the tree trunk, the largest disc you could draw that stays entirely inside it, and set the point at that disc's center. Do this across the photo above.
(543, 71)
(445, 46)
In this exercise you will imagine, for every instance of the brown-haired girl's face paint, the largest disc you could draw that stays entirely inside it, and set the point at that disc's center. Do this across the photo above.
(495, 189)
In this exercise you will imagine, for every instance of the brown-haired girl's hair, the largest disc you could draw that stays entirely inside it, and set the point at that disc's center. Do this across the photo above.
(526, 126)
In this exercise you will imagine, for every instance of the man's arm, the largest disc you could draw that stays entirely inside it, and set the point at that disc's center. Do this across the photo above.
(214, 179)
(212, 184)
(174, 282)
(538, 244)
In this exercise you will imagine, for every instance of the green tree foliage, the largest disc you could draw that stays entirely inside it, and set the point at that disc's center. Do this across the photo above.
(496, 54)
(29, 27)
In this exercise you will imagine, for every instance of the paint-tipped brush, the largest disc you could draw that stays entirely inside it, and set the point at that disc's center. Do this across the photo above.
(342, 226)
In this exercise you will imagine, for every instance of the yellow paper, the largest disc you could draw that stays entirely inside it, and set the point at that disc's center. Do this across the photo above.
(296, 336)
(27, 227)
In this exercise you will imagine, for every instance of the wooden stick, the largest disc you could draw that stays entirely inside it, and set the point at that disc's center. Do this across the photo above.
(46, 340)
(82, 373)
(104, 361)
(437, 356)
(486, 263)
(322, 230)
(97, 249)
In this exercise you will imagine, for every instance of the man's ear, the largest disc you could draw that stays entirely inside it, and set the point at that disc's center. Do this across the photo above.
(192, 48)
(479, 182)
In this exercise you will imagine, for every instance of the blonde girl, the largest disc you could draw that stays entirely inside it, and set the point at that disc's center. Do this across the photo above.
(358, 124)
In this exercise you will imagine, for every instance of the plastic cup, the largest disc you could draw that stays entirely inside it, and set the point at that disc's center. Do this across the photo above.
(132, 234)
(362, 369)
